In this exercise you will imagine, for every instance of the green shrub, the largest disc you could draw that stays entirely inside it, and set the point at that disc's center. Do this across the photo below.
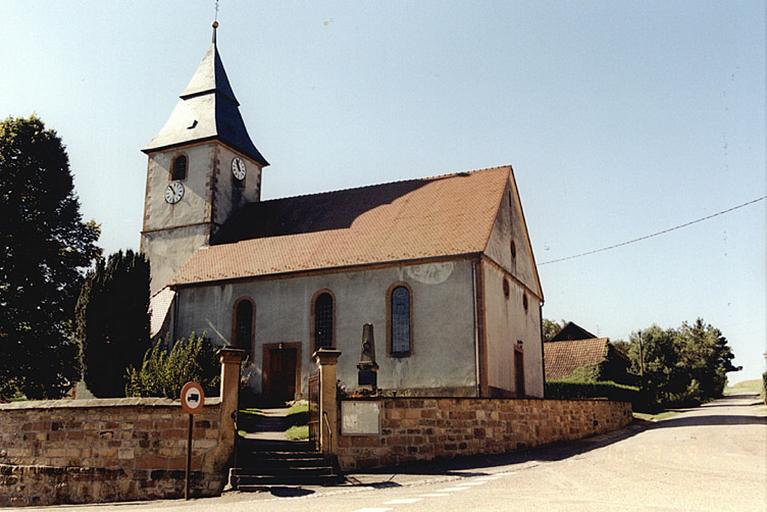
(566, 389)
(764, 387)
(164, 371)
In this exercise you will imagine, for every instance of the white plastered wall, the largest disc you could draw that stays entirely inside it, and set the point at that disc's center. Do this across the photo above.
(443, 322)
(506, 319)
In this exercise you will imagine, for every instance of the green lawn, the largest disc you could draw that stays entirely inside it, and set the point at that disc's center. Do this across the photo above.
(744, 386)
(297, 432)
(296, 420)
(655, 417)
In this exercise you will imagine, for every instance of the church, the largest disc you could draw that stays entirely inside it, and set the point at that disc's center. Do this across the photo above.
(442, 267)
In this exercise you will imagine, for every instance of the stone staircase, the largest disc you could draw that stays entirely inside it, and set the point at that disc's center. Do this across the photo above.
(263, 463)
(265, 458)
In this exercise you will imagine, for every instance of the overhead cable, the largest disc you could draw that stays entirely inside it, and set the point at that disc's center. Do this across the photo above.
(657, 233)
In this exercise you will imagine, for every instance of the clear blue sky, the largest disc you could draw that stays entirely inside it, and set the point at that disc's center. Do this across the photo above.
(620, 119)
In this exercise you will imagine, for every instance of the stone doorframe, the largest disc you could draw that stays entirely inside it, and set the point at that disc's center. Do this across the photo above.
(266, 360)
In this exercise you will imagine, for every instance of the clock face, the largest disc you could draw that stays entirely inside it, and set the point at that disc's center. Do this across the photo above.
(174, 192)
(238, 168)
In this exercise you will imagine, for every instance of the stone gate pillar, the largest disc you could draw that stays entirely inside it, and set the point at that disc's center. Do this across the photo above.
(230, 389)
(326, 360)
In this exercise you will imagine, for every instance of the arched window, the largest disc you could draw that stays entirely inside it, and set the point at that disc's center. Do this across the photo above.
(178, 169)
(323, 321)
(243, 325)
(400, 321)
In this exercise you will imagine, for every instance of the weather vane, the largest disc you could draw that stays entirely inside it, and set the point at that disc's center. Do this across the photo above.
(215, 23)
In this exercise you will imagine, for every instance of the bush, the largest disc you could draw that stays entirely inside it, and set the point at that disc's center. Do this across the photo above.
(764, 387)
(164, 371)
(565, 389)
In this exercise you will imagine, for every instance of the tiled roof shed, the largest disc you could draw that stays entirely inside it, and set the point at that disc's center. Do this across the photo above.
(563, 357)
(408, 220)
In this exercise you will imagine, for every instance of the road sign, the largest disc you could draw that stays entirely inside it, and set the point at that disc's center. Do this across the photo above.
(192, 398)
(192, 402)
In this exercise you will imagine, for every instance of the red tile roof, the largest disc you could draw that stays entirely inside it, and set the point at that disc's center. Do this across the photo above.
(429, 217)
(561, 358)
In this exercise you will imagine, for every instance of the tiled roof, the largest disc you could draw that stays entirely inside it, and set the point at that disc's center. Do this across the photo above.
(422, 218)
(572, 331)
(561, 358)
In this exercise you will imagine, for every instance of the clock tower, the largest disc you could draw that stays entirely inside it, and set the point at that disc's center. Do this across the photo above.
(202, 167)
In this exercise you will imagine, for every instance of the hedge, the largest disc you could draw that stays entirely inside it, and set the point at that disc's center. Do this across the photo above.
(560, 389)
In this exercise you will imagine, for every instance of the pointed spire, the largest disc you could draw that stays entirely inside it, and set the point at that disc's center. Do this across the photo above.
(208, 109)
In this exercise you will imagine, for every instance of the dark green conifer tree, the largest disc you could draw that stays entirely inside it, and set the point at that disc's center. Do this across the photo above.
(113, 322)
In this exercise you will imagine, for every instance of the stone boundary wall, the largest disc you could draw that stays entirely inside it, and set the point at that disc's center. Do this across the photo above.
(100, 450)
(413, 429)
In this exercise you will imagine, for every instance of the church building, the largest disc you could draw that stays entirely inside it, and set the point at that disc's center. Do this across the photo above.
(441, 266)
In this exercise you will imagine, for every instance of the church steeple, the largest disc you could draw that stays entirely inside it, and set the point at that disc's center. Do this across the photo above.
(202, 167)
(207, 110)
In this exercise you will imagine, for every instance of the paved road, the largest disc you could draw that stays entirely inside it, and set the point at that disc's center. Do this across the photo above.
(713, 458)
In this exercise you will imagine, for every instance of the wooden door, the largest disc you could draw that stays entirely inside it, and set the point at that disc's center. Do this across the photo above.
(519, 372)
(281, 374)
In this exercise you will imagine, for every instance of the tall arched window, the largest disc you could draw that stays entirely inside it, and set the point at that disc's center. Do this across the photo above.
(243, 325)
(178, 168)
(323, 321)
(400, 321)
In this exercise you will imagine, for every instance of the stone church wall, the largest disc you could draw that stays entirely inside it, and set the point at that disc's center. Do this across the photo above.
(430, 428)
(101, 450)
(443, 347)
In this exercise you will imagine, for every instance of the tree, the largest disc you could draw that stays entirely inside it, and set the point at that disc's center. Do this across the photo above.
(44, 249)
(113, 321)
(551, 328)
(705, 352)
(684, 365)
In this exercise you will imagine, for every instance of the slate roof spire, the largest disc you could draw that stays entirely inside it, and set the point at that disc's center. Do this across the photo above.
(207, 110)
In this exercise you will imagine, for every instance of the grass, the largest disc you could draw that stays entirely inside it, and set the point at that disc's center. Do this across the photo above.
(298, 407)
(655, 417)
(296, 419)
(745, 386)
(297, 433)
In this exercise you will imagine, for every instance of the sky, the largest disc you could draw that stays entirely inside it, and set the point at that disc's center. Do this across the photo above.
(620, 119)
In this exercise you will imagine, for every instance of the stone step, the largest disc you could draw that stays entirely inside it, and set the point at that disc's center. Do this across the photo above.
(241, 475)
(253, 461)
(268, 445)
(258, 483)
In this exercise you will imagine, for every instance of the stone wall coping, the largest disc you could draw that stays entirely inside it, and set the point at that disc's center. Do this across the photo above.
(482, 398)
(99, 402)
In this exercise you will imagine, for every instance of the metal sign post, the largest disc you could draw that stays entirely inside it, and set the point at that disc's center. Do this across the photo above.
(192, 402)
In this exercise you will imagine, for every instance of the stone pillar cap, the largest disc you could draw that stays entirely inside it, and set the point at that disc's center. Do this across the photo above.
(326, 356)
(231, 355)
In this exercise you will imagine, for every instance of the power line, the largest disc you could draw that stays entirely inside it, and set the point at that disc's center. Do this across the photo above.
(657, 233)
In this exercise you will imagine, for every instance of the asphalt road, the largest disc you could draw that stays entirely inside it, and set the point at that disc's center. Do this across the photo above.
(713, 458)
